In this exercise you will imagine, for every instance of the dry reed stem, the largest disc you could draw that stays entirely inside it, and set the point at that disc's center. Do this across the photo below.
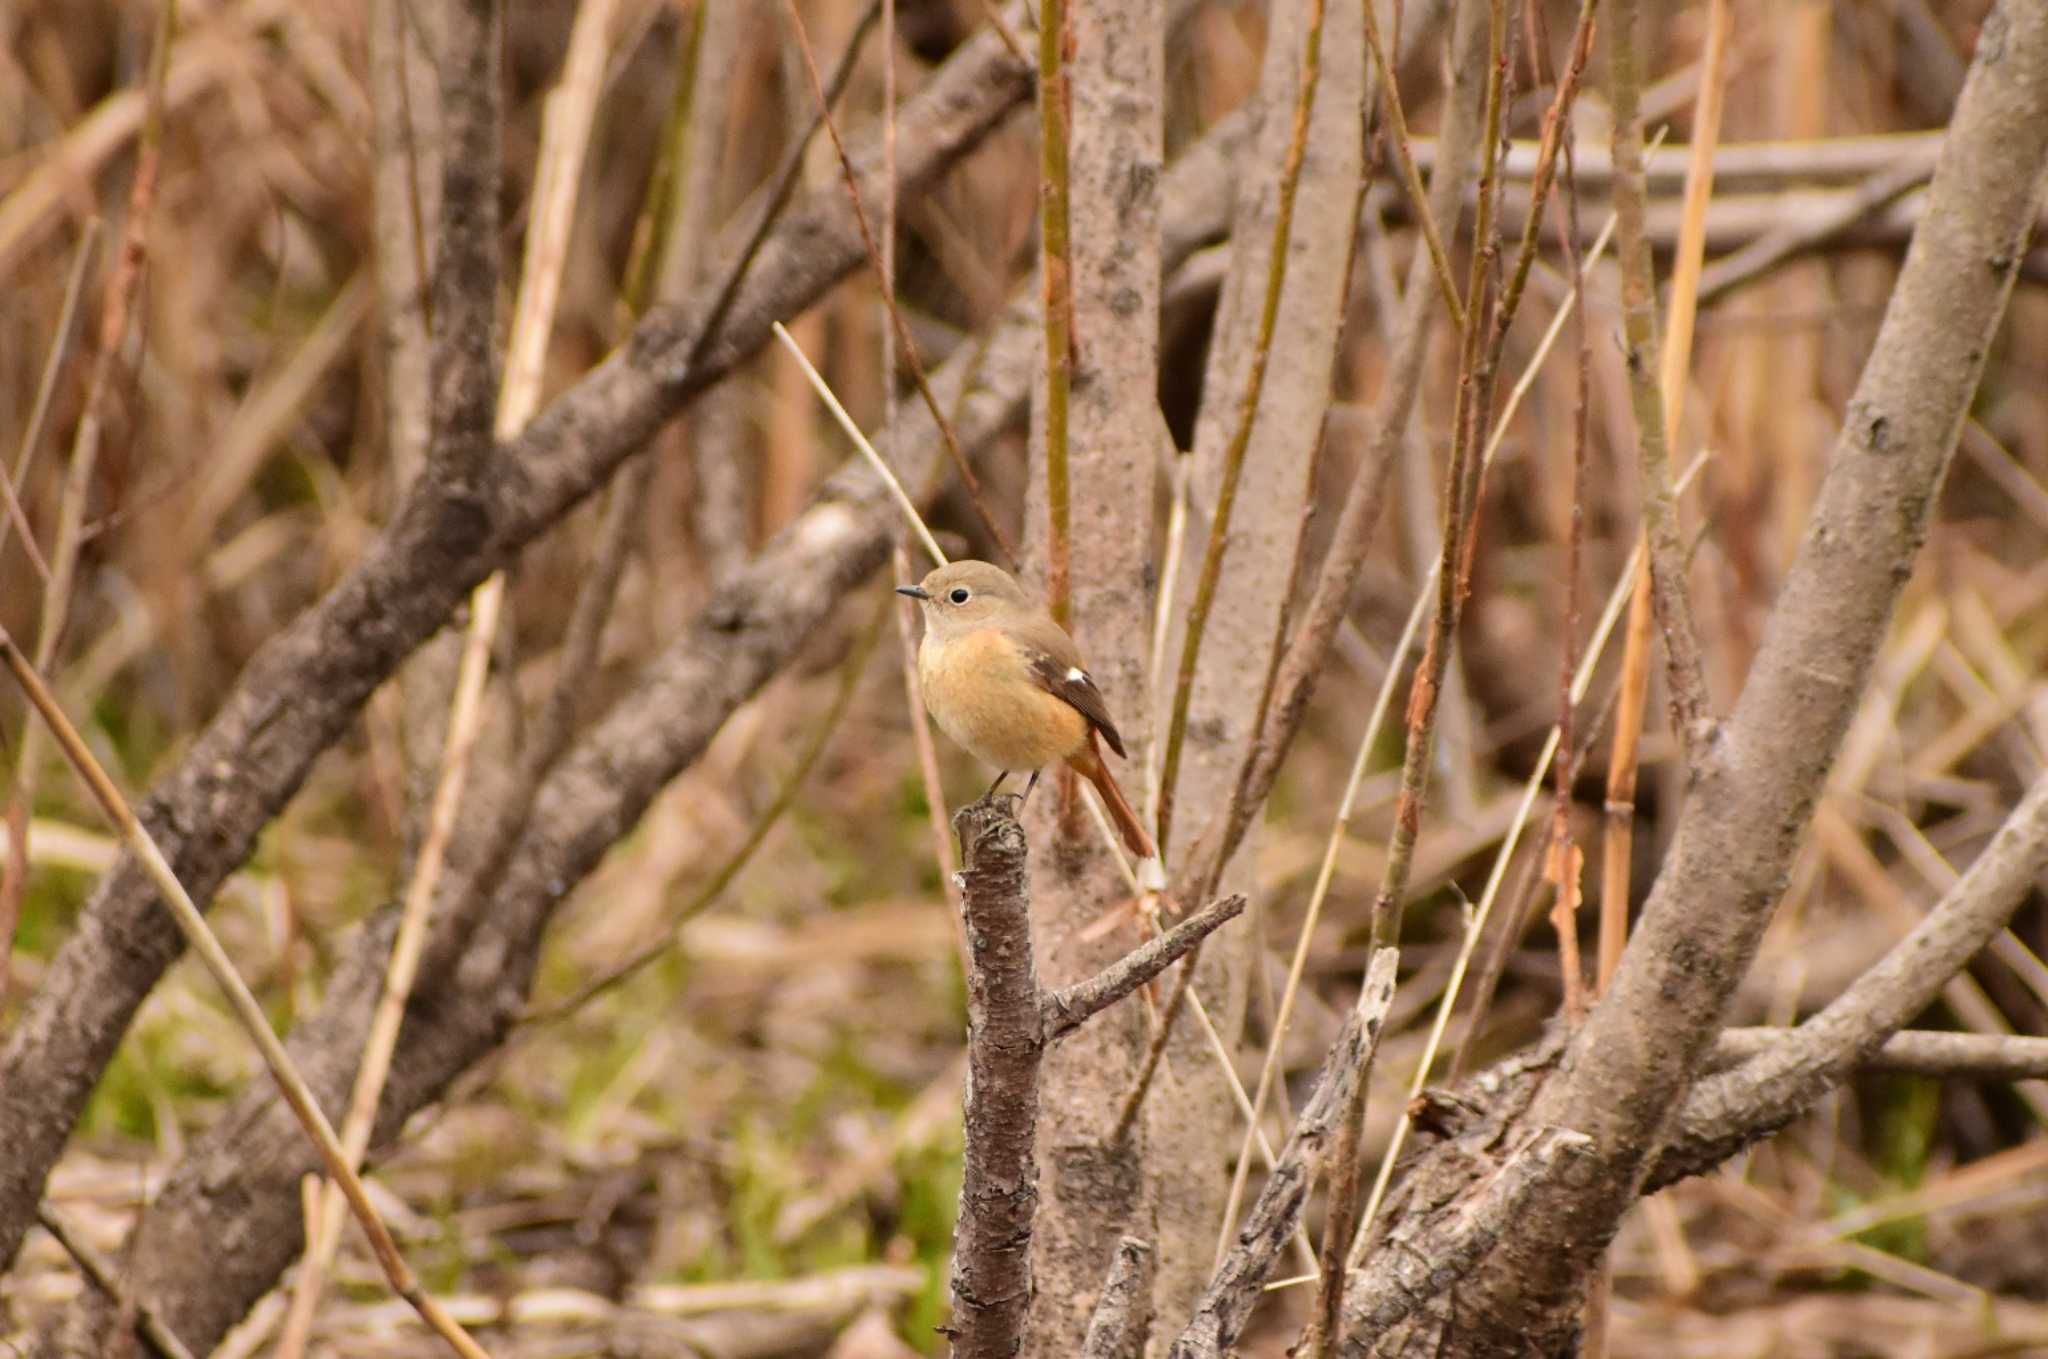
(1233, 463)
(247, 1012)
(565, 136)
(1596, 646)
(1484, 333)
(61, 340)
(1362, 752)
(860, 441)
(1411, 177)
(895, 333)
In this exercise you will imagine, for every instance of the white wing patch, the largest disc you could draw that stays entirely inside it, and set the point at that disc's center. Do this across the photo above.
(1077, 675)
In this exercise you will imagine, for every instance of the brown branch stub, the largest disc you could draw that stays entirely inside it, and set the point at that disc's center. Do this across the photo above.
(1068, 1008)
(1123, 1314)
(1005, 1040)
(1220, 1317)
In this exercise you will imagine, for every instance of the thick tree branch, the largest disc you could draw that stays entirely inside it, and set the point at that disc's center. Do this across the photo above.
(228, 1221)
(1629, 1066)
(469, 513)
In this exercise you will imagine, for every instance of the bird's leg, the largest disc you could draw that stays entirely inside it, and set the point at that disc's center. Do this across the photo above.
(997, 784)
(1029, 786)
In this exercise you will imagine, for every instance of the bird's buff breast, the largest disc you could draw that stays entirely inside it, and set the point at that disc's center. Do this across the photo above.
(979, 693)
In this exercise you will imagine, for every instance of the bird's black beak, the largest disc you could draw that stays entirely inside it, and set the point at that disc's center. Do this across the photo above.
(914, 591)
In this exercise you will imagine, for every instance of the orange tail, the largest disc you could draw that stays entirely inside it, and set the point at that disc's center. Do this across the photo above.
(1088, 764)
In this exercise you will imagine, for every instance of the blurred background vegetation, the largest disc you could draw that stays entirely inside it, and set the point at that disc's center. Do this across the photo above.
(776, 1098)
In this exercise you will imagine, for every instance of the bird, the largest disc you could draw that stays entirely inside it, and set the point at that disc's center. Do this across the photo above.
(1006, 683)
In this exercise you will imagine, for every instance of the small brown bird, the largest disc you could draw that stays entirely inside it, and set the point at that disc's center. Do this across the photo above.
(1006, 682)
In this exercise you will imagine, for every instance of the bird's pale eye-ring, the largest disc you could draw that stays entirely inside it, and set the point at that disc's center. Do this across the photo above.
(959, 594)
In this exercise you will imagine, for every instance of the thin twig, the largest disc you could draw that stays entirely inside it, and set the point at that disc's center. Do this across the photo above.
(1411, 177)
(1758, 258)
(1071, 1006)
(860, 441)
(46, 388)
(897, 331)
(106, 1276)
(784, 182)
(1685, 668)
(1056, 303)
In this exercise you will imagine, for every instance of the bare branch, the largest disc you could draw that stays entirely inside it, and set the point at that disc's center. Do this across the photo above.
(1220, 1316)
(1729, 1110)
(1005, 1038)
(1754, 792)
(1687, 672)
(1909, 1052)
(1070, 1007)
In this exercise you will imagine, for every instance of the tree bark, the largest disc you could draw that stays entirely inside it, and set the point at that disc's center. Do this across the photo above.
(1099, 1188)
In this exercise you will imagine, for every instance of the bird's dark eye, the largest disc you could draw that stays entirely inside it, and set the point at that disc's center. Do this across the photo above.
(959, 595)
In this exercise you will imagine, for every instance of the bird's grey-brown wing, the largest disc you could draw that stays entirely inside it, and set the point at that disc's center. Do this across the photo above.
(1068, 681)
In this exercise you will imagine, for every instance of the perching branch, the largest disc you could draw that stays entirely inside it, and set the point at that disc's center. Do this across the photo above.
(1005, 1038)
